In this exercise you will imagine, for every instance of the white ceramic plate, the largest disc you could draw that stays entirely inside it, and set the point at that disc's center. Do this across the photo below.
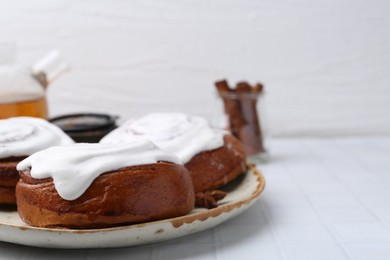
(242, 193)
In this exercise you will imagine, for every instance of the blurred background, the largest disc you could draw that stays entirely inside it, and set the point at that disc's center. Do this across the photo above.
(325, 64)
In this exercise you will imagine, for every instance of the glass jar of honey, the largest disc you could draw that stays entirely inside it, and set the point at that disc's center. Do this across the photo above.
(23, 89)
(20, 93)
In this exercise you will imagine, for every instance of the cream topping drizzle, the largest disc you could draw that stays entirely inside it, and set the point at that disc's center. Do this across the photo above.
(178, 133)
(74, 167)
(23, 136)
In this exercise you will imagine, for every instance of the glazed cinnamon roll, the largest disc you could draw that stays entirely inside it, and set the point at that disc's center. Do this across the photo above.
(102, 185)
(19, 138)
(213, 157)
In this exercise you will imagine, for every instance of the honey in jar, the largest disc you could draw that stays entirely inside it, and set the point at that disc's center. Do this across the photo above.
(23, 89)
(34, 108)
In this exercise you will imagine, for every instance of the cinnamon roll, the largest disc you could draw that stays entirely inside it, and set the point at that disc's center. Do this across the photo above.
(102, 185)
(213, 157)
(19, 138)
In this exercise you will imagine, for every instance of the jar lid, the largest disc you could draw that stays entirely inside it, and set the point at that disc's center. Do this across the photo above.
(86, 127)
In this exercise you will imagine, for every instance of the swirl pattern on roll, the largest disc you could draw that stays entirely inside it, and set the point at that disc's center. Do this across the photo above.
(23, 136)
(178, 133)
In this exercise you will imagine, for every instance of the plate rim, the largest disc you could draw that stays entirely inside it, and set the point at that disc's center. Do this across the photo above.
(176, 222)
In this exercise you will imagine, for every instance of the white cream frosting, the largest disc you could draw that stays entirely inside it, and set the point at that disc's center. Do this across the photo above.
(178, 133)
(17, 84)
(74, 167)
(23, 136)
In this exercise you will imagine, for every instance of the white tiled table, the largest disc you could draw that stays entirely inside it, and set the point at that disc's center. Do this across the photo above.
(324, 199)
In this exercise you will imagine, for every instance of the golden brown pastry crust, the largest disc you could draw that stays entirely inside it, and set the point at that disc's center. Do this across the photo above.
(212, 169)
(9, 176)
(7, 195)
(129, 195)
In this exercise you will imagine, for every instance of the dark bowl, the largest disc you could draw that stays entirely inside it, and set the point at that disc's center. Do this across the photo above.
(86, 127)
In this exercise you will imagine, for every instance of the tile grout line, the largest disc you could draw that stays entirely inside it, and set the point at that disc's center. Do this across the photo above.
(365, 166)
(328, 225)
(352, 192)
(319, 158)
(278, 241)
(215, 244)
